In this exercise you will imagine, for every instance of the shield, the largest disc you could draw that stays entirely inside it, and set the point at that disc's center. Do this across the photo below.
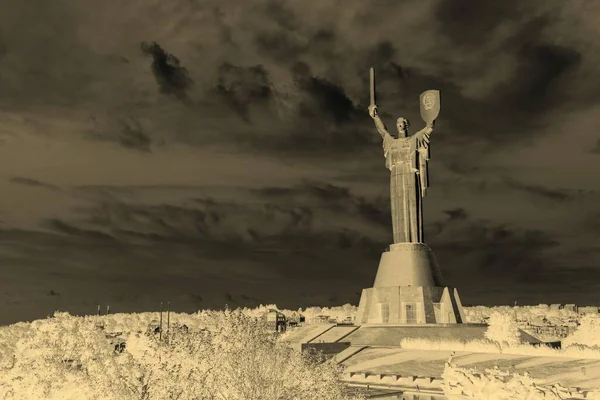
(430, 105)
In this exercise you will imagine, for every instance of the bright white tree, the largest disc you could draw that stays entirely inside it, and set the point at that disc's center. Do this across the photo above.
(67, 357)
(586, 334)
(224, 356)
(502, 328)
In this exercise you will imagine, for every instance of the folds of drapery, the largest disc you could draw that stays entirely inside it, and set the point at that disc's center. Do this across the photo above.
(422, 138)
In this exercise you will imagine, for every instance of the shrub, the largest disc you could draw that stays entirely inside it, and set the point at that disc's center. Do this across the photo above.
(503, 329)
(587, 333)
(228, 356)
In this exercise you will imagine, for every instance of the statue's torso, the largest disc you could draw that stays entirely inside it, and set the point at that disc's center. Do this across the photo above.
(399, 151)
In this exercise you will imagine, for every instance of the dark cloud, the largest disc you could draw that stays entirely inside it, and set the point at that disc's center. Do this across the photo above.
(286, 222)
(471, 22)
(126, 131)
(453, 217)
(282, 15)
(376, 210)
(456, 214)
(278, 45)
(32, 182)
(382, 59)
(327, 192)
(326, 98)
(3, 48)
(68, 229)
(172, 78)
(243, 86)
(279, 39)
(315, 195)
(132, 136)
(596, 148)
(318, 120)
(536, 87)
(499, 251)
(537, 190)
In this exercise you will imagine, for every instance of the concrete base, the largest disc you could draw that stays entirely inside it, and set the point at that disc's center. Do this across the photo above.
(408, 264)
(409, 289)
(410, 305)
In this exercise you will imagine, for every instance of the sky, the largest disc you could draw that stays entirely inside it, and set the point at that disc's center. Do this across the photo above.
(220, 151)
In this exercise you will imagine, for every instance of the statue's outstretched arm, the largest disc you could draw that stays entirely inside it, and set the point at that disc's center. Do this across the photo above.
(378, 122)
(380, 126)
(423, 135)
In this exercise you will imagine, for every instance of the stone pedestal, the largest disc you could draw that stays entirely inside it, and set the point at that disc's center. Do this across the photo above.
(408, 264)
(409, 289)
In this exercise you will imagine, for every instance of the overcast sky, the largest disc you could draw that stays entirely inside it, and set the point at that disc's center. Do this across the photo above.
(220, 151)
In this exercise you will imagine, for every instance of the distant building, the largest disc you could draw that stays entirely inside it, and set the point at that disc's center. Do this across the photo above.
(295, 319)
(587, 310)
(320, 319)
(118, 344)
(555, 306)
(549, 331)
(153, 327)
(570, 307)
(275, 320)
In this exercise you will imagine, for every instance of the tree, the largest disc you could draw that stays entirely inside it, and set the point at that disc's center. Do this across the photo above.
(69, 358)
(503, 329)
(586, 334)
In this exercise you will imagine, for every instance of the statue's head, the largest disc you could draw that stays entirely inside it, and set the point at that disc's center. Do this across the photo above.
(402, 124)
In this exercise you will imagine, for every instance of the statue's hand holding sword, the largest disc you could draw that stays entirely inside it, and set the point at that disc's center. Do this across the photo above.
(429, 103)
(372, 107)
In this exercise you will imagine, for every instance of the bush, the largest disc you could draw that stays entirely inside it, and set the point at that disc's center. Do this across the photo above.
(68, 358)
(586, 334)
(503, 329)
(490, 347)
(496, 384)
(230, 357)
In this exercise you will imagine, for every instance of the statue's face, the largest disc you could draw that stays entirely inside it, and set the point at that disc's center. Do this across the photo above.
(402, 125)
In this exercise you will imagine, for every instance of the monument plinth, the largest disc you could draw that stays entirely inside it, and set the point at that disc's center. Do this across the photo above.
(409, 287)
(408, 264)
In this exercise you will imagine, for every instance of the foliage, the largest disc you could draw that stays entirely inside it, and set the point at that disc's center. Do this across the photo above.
(490, 347)
(503, 329)
(67, 357)
(495, 384)
(226, 356)
(339, 313)
(586, 334)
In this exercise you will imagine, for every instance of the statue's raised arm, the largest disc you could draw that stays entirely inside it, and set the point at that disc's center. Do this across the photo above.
(423, 136)
(378, 122)
(373, 108)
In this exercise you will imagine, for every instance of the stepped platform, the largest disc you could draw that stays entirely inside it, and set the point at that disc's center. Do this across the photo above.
(335, 334)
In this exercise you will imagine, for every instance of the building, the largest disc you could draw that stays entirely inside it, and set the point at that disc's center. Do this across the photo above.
(153, 328)
(320, 319)
(587, 310)
(295, 319)
(275, 320)
(116, 341)
(550, 331)
(570, 307)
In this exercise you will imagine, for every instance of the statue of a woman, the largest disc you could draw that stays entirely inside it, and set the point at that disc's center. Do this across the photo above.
(406, 157)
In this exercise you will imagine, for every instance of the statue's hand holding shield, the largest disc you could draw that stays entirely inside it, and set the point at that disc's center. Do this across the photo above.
(430, 106)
